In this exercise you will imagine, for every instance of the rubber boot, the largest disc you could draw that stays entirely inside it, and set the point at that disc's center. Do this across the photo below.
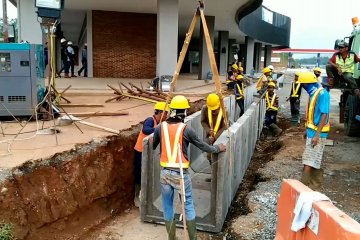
(305, 178)
(317, 179)
(137, 195)
(191, 228)
(275, 129)
(171, 229)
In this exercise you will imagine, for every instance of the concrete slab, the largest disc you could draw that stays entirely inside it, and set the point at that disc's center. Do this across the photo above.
(212, 200)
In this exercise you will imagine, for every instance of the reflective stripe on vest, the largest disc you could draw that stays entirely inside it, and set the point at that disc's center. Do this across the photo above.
(270, 105)
(348, 65)
(171, 137)
(311, 113)
(240, 90)
(218, 121)
(295, 90)
(139, 142)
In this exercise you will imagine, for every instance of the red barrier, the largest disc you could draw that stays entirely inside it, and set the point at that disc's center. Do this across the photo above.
(328, 222)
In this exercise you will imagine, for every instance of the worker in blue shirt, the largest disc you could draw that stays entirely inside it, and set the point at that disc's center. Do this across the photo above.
(148, 128)
(317, 129)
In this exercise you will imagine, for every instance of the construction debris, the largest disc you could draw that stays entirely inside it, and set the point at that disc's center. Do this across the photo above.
(136, 93)
(98, 114)
(81, 105)
(69, 119)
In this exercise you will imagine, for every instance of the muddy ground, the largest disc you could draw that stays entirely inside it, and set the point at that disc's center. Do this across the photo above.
(252, 215)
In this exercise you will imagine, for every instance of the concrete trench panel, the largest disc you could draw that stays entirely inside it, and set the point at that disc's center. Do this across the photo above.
(212, 200)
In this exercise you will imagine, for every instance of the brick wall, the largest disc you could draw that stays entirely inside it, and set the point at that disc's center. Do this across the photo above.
(124, 45)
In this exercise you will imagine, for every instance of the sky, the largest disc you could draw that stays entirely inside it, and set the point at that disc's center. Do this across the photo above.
(12, 12)
(317, 23)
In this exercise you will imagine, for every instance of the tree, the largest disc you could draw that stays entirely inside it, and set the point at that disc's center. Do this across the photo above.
(12, 28)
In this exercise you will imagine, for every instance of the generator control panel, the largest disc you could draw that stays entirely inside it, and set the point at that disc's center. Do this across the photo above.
(5, 61)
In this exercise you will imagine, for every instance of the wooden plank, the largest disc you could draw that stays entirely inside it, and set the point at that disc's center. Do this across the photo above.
(214, 66)
(94, 114)
(181, 58)
(81, 105)
(139, 98)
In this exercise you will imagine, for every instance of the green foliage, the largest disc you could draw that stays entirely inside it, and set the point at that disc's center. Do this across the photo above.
(6, 231)
(309, 61)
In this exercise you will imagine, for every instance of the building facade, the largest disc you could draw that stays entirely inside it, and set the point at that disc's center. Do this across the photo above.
(142, 39)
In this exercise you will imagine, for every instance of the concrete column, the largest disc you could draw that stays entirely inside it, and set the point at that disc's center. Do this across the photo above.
(267, 55)
(89, 36)
(223, 49)
(249, 59)
(257, 57)
(204, 63)
(167, 36)
(231, 53)
(29, 27)
(242, 55)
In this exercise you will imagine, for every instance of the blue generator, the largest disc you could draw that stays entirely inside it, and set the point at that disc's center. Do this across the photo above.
(21, 75)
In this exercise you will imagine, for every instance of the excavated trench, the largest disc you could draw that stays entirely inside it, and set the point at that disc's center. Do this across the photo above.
(65, 196)
(264, 152)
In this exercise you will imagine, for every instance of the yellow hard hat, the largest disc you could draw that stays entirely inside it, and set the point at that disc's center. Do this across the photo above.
(179, 102)
(161, 106)
(266, 70)
(317, 69)
(271, 84)
(239, 77)
(213, 101)
(241, 69)
(235, 66)
(307, 77)
(297, 74)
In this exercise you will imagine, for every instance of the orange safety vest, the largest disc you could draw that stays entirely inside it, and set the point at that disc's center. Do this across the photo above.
(310, 113)
(218, 121)
(139, 142)
(295, 90)
(171, 136)
(270, 105)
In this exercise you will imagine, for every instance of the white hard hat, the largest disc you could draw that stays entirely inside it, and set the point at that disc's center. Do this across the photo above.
(271, 67)
(85, 44)
(69, 43)
(62, 40)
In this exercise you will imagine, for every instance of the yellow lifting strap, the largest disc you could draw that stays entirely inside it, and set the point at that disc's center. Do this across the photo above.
(218, 120)
(171, 155)
(271, 105)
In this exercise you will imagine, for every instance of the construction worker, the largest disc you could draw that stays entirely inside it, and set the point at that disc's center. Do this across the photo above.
(263, 81)
(317, 129)
(83, 61)
(170, 134)
(64, 61)
(148, 128)
(295, 95)
(341, 67)
(239, 93)
(71, 57)
(317, 72)
(231, 76)
(212, 118)
(272, 107)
